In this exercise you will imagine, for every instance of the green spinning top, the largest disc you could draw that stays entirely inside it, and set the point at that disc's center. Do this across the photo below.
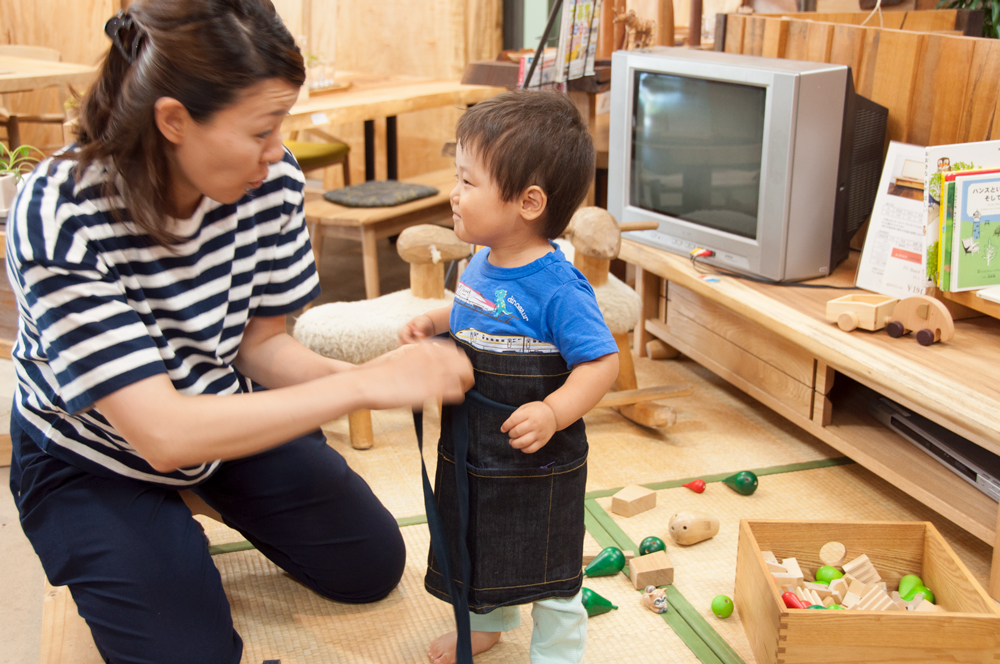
(609, 561)
(743, 482)
(595, 604)
(651, 544)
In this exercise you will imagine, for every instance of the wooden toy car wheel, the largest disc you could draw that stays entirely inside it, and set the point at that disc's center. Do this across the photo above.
(926, 337)
(848, 321)
(895, 329)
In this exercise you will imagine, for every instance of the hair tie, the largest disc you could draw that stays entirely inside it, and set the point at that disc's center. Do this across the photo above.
(115, 25)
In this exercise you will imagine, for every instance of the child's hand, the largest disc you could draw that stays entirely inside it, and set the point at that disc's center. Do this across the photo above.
(530, 426)
(415, 331)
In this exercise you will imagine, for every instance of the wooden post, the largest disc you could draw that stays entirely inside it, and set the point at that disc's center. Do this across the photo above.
(606, 42)
(665, 24)
(427, 280)
(359, 423)
(995, 572)
(694, 24)
(619, 28)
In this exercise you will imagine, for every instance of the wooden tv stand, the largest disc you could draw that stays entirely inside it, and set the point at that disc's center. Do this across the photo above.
(774, 343)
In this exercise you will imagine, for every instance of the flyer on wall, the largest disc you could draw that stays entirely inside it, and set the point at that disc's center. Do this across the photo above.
(892, 260)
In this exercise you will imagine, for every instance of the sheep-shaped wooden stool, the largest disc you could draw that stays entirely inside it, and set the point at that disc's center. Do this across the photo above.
(595, 239)
(356, 332)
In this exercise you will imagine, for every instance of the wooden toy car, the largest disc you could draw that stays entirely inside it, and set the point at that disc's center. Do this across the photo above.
(927, 315)
(869, 312)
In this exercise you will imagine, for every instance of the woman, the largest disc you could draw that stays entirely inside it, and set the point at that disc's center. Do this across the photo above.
(154, 265)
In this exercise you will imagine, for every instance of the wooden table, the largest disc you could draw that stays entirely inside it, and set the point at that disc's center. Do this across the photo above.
(23, 74)
(368, 225)
(374, 96)
(774, 343)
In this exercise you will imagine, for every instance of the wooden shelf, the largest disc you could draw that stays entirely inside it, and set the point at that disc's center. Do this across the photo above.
(860, 436)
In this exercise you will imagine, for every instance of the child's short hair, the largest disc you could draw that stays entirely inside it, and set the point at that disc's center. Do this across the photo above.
(531, 137)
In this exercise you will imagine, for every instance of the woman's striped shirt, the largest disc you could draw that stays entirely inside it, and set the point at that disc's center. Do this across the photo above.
(102, 306)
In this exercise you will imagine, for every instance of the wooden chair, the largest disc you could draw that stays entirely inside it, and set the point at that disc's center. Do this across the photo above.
(10, 118)
(329, 151)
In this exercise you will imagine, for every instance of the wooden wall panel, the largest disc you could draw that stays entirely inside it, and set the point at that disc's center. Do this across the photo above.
(939, 88)
(942, 78)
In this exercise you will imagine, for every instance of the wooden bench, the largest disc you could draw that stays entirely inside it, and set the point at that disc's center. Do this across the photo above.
(368, 225)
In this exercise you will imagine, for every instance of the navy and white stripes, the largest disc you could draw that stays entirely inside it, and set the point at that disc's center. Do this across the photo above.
(102, 306)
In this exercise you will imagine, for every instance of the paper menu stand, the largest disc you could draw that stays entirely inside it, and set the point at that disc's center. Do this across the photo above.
(892, 260)
(975, 253)
(938, 161)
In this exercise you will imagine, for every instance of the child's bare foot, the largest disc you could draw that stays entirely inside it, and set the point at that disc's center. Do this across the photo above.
(442, 649)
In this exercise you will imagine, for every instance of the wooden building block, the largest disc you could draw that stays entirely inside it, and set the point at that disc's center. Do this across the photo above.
(652, 569)
(833, 554)
(820, 589)
(839, 589)
(787, 582)
(792, 565)
(633, 500)
(876, 600)
(776, 568)
(768, 556)
(861, 568)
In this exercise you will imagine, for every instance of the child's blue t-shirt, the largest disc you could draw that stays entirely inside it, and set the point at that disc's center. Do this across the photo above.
(546, 306)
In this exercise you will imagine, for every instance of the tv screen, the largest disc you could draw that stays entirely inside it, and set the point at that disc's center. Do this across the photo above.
(697, 147)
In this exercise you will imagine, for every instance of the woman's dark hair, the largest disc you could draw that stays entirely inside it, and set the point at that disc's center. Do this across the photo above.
(203, 53)
(532, 137)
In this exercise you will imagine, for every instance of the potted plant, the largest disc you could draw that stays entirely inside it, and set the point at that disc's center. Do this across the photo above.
(13, 163)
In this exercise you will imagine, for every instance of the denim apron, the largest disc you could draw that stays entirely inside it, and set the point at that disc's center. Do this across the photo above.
(526, 511)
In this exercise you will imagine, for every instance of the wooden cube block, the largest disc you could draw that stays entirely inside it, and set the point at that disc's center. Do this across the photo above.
(792, 565)
(861, 568)
(769, 556)
(633, 500)
(652, 569)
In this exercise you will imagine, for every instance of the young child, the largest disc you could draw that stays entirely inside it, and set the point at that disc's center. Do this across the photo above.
(542, 356)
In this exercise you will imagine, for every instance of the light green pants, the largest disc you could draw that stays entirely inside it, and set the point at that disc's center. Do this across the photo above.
(559, 634)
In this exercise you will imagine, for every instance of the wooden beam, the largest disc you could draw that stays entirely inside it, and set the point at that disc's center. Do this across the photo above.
(626, 397)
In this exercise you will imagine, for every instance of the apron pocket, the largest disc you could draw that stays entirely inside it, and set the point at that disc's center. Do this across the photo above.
(526, 528)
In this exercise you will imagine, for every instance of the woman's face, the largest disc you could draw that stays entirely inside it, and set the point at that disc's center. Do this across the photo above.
(229, 155)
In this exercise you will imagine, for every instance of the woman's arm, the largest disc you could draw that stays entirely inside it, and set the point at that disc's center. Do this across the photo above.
(171, 430)
(269, 356)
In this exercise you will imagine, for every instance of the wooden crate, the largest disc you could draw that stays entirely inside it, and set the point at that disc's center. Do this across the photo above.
(969, 630)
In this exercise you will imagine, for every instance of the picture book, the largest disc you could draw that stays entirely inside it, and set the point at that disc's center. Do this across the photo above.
(595, 29)
(577, 59)
(938, 161)
(975, 258)
(947, 225)
(565, 40)
(892, 257)
(544, 73)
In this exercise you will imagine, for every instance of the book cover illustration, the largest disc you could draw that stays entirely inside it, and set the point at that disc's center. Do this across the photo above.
(577, 60)
(595, 29)
(975, 259)
(565, 39)
(947, 225)
(939, 160)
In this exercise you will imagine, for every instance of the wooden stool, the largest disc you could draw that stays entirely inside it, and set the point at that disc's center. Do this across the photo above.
(368, 225)
(596, 239)
(357, 332)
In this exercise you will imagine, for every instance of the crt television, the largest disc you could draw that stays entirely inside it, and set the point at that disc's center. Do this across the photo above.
(769, 164)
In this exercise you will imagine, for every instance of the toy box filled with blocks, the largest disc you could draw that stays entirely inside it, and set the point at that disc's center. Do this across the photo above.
(888, 611)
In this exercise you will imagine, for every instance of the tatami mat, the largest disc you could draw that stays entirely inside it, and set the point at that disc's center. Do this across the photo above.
(707, 569)
(718, 428)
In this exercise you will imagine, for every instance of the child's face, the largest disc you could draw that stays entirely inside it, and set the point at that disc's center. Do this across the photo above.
(480, 215)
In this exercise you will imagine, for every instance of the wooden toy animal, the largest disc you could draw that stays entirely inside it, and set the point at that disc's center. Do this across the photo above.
(639, 32)
(925, 314)
(691, 527)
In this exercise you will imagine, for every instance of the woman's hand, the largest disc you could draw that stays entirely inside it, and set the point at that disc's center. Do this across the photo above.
(413, 374)
(415, 331)
(530, 427)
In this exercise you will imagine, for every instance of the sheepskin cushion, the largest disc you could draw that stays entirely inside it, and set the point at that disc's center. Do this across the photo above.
(619, 304)
(360, 331)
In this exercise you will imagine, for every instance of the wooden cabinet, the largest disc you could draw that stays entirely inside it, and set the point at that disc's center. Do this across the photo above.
(774, 343)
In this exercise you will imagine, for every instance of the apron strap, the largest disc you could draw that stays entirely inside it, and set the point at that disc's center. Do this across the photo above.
(459, 596)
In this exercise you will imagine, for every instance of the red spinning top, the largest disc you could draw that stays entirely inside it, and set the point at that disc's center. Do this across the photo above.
(698, 486)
